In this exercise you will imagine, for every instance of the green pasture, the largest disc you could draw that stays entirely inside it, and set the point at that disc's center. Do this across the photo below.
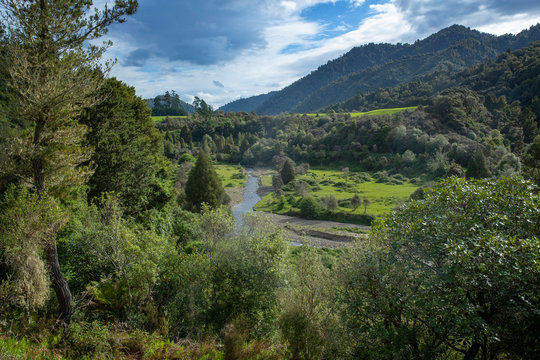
(383, 196)
(160, 118)
(231, 175)
(266, 180)
(376, 112)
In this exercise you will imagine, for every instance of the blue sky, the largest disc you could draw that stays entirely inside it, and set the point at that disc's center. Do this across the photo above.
(222, 50)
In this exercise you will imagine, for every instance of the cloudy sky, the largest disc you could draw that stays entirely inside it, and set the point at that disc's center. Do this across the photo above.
(222, 50)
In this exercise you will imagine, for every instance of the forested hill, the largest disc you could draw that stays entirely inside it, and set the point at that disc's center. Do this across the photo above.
(514, 75)
(169, 104)
(248, 105)
(369, 67)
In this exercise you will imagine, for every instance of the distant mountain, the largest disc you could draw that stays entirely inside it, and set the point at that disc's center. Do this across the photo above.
(513, 74)
(247, 105)
(372, 66)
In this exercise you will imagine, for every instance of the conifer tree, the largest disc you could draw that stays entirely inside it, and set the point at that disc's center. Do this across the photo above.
(287, 172)
(203, 185)
(52, 74)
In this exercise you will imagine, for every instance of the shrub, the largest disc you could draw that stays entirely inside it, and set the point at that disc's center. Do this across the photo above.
(309, 207)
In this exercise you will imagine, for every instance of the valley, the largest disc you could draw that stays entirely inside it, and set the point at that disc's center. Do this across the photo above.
(382, 205)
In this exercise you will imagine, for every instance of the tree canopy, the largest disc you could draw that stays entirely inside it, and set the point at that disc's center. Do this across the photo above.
(454, 272)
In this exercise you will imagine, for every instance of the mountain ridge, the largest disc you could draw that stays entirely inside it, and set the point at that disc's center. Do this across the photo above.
(332, 81)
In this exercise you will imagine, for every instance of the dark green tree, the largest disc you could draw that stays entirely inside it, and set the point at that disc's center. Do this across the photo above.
(202, 108)
(127, 149)
(203, 185)
(309, 207)
(531, 161)
(287, 172)
(356, 201)
(476, 167)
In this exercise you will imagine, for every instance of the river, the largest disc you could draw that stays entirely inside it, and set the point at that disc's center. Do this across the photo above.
(250, 198)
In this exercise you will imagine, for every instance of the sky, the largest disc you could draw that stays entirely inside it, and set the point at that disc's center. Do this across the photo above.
(223, 50)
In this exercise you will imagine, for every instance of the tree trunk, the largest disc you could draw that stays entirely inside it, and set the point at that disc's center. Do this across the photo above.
(59, 284)
(472, 352)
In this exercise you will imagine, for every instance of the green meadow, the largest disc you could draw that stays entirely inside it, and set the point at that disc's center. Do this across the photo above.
(160, 118)
(231, 175)
(383, 192)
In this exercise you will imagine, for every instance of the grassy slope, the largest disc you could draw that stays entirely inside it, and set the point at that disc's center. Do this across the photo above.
(376, 112)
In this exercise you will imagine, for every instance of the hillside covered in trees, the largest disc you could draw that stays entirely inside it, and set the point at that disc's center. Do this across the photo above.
(373, 66)
(169, 104)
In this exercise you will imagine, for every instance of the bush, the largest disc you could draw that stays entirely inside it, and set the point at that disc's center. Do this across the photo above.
(309, 207)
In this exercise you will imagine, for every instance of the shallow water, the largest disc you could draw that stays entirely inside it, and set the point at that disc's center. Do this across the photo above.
(250, 198)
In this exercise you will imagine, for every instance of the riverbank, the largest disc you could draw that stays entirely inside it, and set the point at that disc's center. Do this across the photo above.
(318, 233)
(300, 231)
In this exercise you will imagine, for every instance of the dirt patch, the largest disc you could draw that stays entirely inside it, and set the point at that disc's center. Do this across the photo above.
(316, 232)
(236, 194)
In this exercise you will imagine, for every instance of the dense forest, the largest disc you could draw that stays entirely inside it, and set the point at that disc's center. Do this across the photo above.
(117, 241)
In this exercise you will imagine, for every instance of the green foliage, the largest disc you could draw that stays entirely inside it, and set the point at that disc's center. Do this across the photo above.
(531, 161)
(287, 172)
(203, 185)
(170, 104)
(309, 207)
(187, 157)
(477, 168)
(454, 272)
(28, 224)
(112, 259)
(126, 149)
(231, 276)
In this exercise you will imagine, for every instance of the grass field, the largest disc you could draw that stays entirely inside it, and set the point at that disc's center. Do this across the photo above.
(160, 118)
(266, 180)
(231, 175)
(376, 112)
(383, 196)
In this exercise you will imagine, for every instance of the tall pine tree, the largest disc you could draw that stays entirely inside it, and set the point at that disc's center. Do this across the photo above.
(203, 185)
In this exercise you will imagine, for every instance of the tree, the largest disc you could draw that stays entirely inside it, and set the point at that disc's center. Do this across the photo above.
(202, 108)
(287, 172)
(366, 203)
(203, 185)
(277, 182)
(52, 76)
(127, 149)
(455, 274)
(476, 167)
(309, 320)
(27, 223)
(330, 202)
(531, 161)
(356, 201)
(309, 207)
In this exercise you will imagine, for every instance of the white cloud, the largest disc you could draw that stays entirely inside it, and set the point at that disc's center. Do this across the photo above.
(265, 67)
(510, 24)
(289, 6)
